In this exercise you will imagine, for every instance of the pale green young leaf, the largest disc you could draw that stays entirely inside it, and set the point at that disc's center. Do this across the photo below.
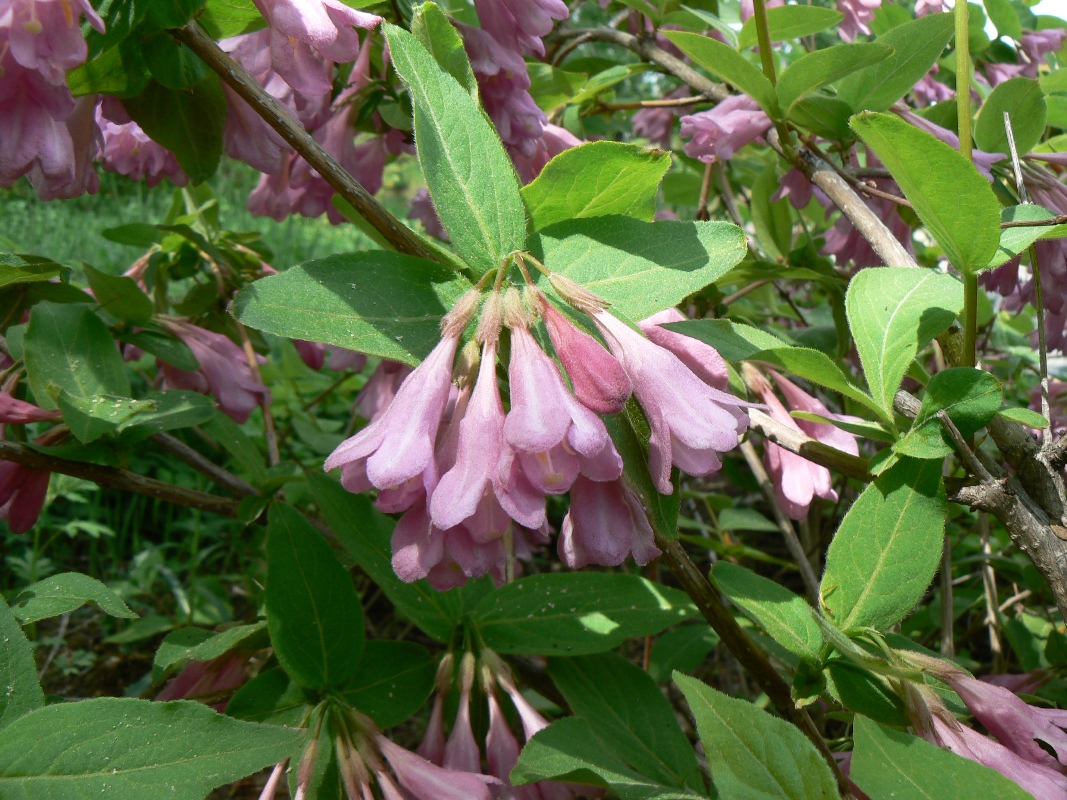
(752, 754)
(969, 396)
(893, 313)
(1024, 102)
(471, 178)
(966, 220)
(431, 27)
(640, 267)
(1014, 241)
(729, 65)
(89, 418)
(887, 548)
(597, 179)
(790, 22)
(376, 302)
(917, 45)
(823, 67)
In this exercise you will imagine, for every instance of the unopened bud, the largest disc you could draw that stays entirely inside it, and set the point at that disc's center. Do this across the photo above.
(577, 295)
(492, 318)
(443, 681)
(467, 364)
(456, 320)
(755, 380)
(515, 313)
(466, 671)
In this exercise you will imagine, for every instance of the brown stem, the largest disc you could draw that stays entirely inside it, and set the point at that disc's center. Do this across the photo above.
(803, 445)
(209, 469)
(117, 478)
(237, 78)
(755, 662)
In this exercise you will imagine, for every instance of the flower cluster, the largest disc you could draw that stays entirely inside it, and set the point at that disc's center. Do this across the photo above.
(471, 480)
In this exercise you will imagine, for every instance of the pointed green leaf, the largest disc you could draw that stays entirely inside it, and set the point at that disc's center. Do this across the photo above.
(431, 27)
(817, 367)
(90, 418)
(197, 644)
(120, 747)
(894, 312)
(595, 180)
(18, 671)
(313, 612)
(65, 592)
(751, 753)
(631, 715)
(170, 410)
(392, 682)
(376, 302)
(783, 615)
(823, 67)
(120, 296)
(568, 613)
(735, 341)
(917, 45)
(1023, 100)
(683, 649)
(470, 176)
(969, 396)
(964, 221)
(68, 347)
(891, 765)
(1024, 416)
(773, 221)
(640, 267)
(888, 547)
(789, 22)
(729, 65)
(272, 698)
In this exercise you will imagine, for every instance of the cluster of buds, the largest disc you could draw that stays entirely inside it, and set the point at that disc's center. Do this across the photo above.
(471, 480)
(485, 675)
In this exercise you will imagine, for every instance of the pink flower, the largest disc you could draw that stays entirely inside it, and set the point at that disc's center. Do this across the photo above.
(554, 140)
(308, 34)
(600, 383)
(461, 750)
(18, 412)
(22, 495)
(197, 678)
(691, 422)
(422, 209)
(33, 131)
(747, 10)
(45, 35)
(929, 91)
(703, 359)
(426, 781)
(997, 72)
(858, 15)
(399, 445)
(521, 24)
(725, 129)
(554, 435)
(605, 524)
(1037, 44)
(924, 7)
(224, 371)
(129, 151)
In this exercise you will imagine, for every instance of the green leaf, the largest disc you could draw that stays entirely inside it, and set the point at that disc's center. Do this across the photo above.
(917, 45)
(817, 367)
(170, 410)
(789, 22)
(120, 747)
(90, 418)
(864, 692)
(188, 122)
(225, 18)
(682, 649)
(773, 221)
(751, 753)
(570, 750)
(735, 341)
(171, 64)
(597, 179)
(894, 312)
(119, 71)
(392, 682)
(18, 671)
(631, 715)
(887, 549)
(366, 535)
(630, 433)
(313, 612)
(237, 444)
(868, 430)
(551, 87)
(1002, 15)
(173, 13)
(197, 644)
(824, 116)
(1024, 102)
(120, 296)
(1015, 241)
(783, 615)
(68, 348)
(572, 613)
(65, 592)
(163, 346)
(377, 302)
(431, 27)
(729, 65)
(969, 396)
(964, 221)
(891, 765)
(271, 697)
(1024, 416)
(823, 67)
(471, 178)
(19, 270)
(640, 267)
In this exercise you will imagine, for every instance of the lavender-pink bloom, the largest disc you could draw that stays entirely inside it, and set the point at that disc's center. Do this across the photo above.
(502, 752)
(720, 132)
(929, 90)
(997, 72)
(924, 7)
(45, 35)
(224, 371)
(747, 9)
(129, 151)
(461, 750)
(554, 140)
(1037, 44)
(422, 209)
(606, 524)
(600, 382)
(399, 445)
(691, 422)
(18, 412)
(22, 495)
(521, 24)
(858, 15)
(426, 781)
(703, 359)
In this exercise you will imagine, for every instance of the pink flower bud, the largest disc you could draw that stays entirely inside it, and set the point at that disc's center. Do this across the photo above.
(600, 382)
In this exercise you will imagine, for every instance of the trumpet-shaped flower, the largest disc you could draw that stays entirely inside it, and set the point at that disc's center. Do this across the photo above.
(22, 495)
(606, 523)
(720, 132)
(600, 382)
(703, 359)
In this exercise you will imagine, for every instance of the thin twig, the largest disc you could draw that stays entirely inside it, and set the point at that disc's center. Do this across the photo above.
(1059, 219)
(948, 613)
(269, 429)
(803, 445)
(705, 192)
(183, 452)
(989, 589)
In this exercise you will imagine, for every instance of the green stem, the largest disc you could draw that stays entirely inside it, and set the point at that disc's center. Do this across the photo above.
(970, 317)
(963, 78)
(763, 36)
